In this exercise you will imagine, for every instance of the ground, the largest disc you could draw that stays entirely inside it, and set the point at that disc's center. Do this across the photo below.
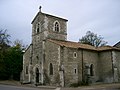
(15, 85)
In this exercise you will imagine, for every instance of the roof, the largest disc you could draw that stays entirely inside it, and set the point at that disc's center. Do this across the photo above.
(72, 44)
(47, 15)
(81, 46)
(104, 48)
(117, 45)
(28, 48)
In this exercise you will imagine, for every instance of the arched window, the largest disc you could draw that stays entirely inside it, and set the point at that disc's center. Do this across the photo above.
(26, 69)
(38, 30)
(91, 70)
(56, 27)
(51, 69)
(38, 27)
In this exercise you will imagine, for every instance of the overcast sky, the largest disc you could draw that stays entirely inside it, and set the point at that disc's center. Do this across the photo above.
(99, 16)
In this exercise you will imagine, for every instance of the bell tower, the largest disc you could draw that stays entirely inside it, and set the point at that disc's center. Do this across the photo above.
(46, 26)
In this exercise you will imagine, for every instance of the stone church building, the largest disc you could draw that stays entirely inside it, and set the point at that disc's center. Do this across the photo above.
(52, 60)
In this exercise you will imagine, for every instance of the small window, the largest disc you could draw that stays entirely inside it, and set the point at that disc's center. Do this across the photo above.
(26, 69)
(38, 28)
(75, 55)
(75, 71)
(51, 69)
(37, 57)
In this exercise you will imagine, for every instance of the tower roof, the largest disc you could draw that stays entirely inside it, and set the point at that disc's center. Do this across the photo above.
(46, 15)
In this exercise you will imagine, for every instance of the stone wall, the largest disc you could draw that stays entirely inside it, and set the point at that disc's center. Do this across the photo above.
(51, 56)
(106, 67)
(72, 66)
(90, 58)
(117, 64)
(26, 64)
(62, 58)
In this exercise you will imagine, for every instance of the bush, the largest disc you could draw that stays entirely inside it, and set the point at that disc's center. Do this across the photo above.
(81, 83)
(74, 85)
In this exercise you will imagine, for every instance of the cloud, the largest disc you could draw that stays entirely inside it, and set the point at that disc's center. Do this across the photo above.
(99, 16)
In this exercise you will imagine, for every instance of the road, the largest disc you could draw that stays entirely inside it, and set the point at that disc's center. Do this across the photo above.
(8, 87)
(90, 88)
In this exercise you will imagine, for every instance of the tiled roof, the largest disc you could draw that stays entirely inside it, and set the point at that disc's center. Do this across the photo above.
(73, 44)
(82, 46)
(104, 48)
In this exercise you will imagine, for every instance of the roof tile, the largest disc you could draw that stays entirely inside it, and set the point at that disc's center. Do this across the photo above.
(82, 46)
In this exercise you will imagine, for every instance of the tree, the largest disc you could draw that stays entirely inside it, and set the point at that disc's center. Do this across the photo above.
(4, 41)
(13, 62)
(93, 39)
(10, 57)
(19, 43)
(4, 37)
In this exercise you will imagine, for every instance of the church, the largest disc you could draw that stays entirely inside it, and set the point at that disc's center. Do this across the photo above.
(52, 60)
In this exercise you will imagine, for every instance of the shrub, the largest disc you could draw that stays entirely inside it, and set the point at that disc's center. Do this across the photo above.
(74, 85)
(81, 83)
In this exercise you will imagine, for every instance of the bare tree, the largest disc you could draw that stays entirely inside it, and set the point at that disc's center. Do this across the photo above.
(92, 39)
(4, 37)
(19, 43)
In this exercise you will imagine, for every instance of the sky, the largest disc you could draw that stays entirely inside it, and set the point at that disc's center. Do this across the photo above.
(99, 16)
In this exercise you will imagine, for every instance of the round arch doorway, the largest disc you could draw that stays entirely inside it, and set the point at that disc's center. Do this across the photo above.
(37, 76)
